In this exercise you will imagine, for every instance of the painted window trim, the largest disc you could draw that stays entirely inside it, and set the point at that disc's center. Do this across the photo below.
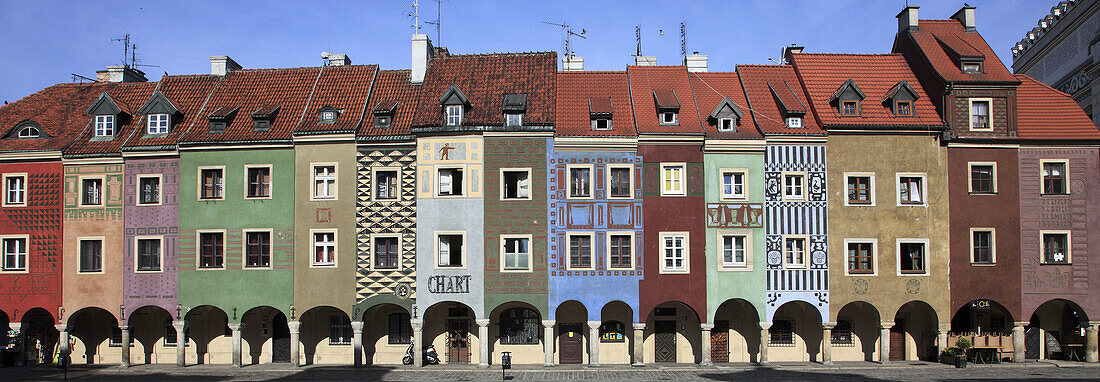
(335, 247)
(374, 170)
(26, 257)
(334, 190)
(687, 252)
(970, 113)
(225, 249)
(682, 192)
(923, 185)
(783, 186)
(102, 254)
(447, 115)
(722, 122)
(465, 246)
(805, 252)
(927, 256)
(630, 168)
(720, 237)
(102, 191)
(465, 192)
(897, 109)
(244, 248)
(633, 251)
(1065, 167)
(198, 183)
(373, 238)
(848, 202)
(874, 256)
(992, 246)
(160, 190)
(26, 189)
(271, 186)
(530, 181)
(569, 247)
(970, 177)
(530, 252)
(160, 253)
(1069, 246)
(569, 181)
(744, 183)
(149, 124)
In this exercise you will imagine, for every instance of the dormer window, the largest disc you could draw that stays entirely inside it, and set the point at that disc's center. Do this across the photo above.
(971, 67)
(29, 132)
(668, 107)
(454, 115)
(900, 99)
(847, 98)
(157, 124)
(794, 122)
(382, 122)
(104, 125)
(903, 108)
(328, 115)
(726, 117)
(263, 117)
(513, 120)
(221, 118)
(849, 108)
(725, 124)
(601, 124)
(217, 127)
(600, 111)
(454, 106)
(261, 125)
(670, 118)
(515, 104)
(383, 113)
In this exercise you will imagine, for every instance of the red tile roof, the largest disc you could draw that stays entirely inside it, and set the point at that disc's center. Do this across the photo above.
(129, 97)
(392, 87)
(759, 80)
(644, 80)
(60, 110)
(485, 79)
(344, 88)
(1043, 112)
(875, 75)
(188, 93)
(938, 38)
(711, 88)
(606, 91)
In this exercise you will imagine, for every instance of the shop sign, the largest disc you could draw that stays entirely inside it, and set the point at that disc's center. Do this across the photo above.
(449, 284)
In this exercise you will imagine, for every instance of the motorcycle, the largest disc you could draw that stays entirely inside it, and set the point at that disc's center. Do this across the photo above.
(430, 356)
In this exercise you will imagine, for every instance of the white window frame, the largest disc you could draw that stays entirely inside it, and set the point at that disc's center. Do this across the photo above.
(682, 181)
(970, 113)
(465, 245)
(720, 237)
(155, 123)
(1069, 246)
(465, 180)
(633, 250)
(794, 122)
(1042, 181)
(923, 185)
(992, 246)
(26, 254)
(102, 254)
(675, 118)
(335, 254)
(30, 132)
(871, 190)
(271, 185)
(508, 119)
(875, 256)
(591, 247)
(199, 183)
(744, 183)
(373, 260)
(160, 252)
(102, 193)
(374, 183)
(225, 249)
(630, 170)
(105, 125)
(801, 196)
(596, 124)
(530, 183)
(332, 188)
(687, 252)
(569, 181)
(244, 247)
(970, 177)
(530, 252)
(927, 256)
(805, 252)
(22, 192)
(160, 189)
(453, 115)
(722, 122)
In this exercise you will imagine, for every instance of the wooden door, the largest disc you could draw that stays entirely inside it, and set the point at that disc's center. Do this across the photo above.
(458, 341)
(664, 344)
(719, 342)
(897, 343)
(571, 344)
(280, 339)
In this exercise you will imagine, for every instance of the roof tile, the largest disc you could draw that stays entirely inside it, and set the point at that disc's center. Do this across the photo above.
(608, 92)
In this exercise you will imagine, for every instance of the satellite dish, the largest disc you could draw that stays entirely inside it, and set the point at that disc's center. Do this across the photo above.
(325, 55)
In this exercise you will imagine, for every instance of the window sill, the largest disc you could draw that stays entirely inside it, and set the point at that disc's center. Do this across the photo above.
(383, 268)
(580, 269)
(910, 204)
(515, 199)
(674, 272)
(983, 193)
(210, 268)
(620, 269)
(149, 271)
(149, 204)
(734, 197)
(14, 271)
(1053, 195)
(858, 204)
(451, 267)
(673, 195)
(257, 197)
(909, 273)
(14, 205)
(322, 265)
(211, 199)
(515, 271)
(734, 268)
(455, 196)
(1041, 263)
(248, 268)
(973, 264)
(613, 197)
(99, 272)
(858, 274)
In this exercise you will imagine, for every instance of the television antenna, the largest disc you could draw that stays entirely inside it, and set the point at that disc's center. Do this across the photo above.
(414, 14)
(683, 40)
(436, 22)
(129, 53)
(567, 33)
(638, 39)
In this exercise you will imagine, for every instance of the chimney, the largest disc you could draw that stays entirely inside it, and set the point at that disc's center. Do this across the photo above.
(645, 60)
(338, 59)
(421, 55)
(907, 19)
(222, 65)
(572, 64)
(966, 17)
(696, 62)
(789, 51)
(120, 73)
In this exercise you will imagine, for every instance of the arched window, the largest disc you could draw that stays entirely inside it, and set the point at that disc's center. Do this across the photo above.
(781, 333)
(842, 332)
(30, 132)
(400, 329)
(612, 331)
(519, 326)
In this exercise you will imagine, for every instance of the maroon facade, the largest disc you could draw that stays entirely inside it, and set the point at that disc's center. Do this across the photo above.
(40, 221)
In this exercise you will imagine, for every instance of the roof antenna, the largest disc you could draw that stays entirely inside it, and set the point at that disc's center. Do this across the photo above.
(638, 39)
(125, 49)
(414, 14)
(567, 32)
(436, 23)
(81, 79)
(683, 40)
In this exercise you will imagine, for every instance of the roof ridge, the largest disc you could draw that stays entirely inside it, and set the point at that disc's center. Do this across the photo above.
(849, 54)
(497, 54)
(578, 72)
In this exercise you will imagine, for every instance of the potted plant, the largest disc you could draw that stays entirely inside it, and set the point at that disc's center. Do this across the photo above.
(956, 355)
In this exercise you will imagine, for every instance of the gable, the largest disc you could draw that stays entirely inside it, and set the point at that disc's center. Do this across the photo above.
(901, 92)
(727, 109)
(158, 104)
(104, 105)
(453, 96)
(848, 91)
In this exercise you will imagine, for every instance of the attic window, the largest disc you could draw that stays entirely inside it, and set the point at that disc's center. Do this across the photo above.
(261, 125)
(794, 122)
(903, 108)
(600, 111)
(217, 126)
(601, 124)
(328, 115)
(971, 67)
(670, 118)
(849, 108)
(157, 124)
(514, 107)
(383, 114)
(454, 115)
(30, 132)
(381, 121)
(513, 119)
(104, 125)
(725, 124)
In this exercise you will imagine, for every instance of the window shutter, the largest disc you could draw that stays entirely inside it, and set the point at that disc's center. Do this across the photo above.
(444, 252)
(444, 182)
(524, 186)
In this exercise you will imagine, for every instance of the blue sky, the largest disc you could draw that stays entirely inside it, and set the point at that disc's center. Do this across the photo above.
(44, 41)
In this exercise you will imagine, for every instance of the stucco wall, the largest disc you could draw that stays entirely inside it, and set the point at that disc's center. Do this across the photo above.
(738, 216)
(160, 220)
(102, 222)
(41, 285)
(324, 285)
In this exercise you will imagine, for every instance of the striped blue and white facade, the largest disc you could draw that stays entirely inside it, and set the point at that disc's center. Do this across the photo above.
(798, 218)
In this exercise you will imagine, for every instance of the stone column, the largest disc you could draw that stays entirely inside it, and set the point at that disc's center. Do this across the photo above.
(827, 343)
(639, 342)
(63, 340)
(418, 344)
(125, 329)
(357, 342)
(295, 336)
(21, 340)
(483, 342)
(765, 337)
(1019, 348)
(181, 343)
(1090, 342)
(236, 328)
(941, 341)
(884, 342)
(706, 344)
(593, 343)
(548, 341)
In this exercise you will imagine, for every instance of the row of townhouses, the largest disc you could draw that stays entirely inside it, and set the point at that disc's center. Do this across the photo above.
(835, 207)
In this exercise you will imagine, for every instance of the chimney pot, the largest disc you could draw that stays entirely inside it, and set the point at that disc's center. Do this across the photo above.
(572, 63)
(907, 19)
(965, 15)
(421, 55)
(222, 65)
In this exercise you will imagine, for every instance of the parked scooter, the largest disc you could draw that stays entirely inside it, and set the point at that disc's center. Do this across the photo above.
(430, 356)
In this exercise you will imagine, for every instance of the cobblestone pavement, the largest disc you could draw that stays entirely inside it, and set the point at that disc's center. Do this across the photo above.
(781, 372)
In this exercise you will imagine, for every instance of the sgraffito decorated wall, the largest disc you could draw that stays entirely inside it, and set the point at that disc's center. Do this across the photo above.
(383, 217)
(735, 216)
(40, 222)
(94, 218)
(156, 220)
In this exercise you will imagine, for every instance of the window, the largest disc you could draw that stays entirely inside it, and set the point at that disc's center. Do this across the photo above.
(148, 189)
(1054, 178)
(261, 125)
(733, 185)
(386, 184)
(454, 115)
(257, 249)
(29, 132)
(672, 179)
(670, 118)
(381, 122)
(91, 255)
(979, 115)
(861, 257)
(324, 248)
(211, 250)
(513, 120)
(734, 248)
(515, 184)
(400, 329)
(339, 332)
(794, 122)
(259, 182)
(781, 333)
(213, 183)
(794, 186)
(842, 332)
(621, 251)
(794, 252)
(580, 251)
(450, 251)
(859, 190)
(903, 108)
(849, 108)
(982, 244)
(170, 334)
(911, 190)
(217, 127)
(983, 178)
(674, 257)
(580, 182)
(91, 192)
(148, 254)
(612, 331)
(450, 182)
(15, 254)
(912, 257)
(515, 252)
(725, 124)
(519, 326)
(621, 185)
(601, 124)
(104, 125)
(157, 124)
(386, 255)
(324, 182)
(971, 67)
(328, 116)
(15, 190)
(1056, 248)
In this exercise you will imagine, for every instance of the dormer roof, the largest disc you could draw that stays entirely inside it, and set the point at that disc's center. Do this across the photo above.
(901, 88)
(515, 103)
(454, 96)
(158, 104)
(788, 102)
(724, 105)
(666, 99)
(104, 105)
(942, 44)
(845, 88)
(600, 107)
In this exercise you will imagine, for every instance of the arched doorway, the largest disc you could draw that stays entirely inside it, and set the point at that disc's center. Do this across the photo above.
(387, 333)
(913, 337)
(96, 332)
(325, 335)
(673, 334)
(516, 327)
(616, 333)
(736, 333)
(982, 317)
(207, 330)
(154, 337)
(856, 334)
(571, 321)
(266, 334)
(795, 334)
(1056, 331)
(40, 336)
(450, 327)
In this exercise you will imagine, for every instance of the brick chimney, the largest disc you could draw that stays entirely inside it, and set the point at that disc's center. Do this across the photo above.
(696, 62)
(338, 59)
(907, 19)
(965, 15)
(222, 65)
(120, 73)
(421, 55)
